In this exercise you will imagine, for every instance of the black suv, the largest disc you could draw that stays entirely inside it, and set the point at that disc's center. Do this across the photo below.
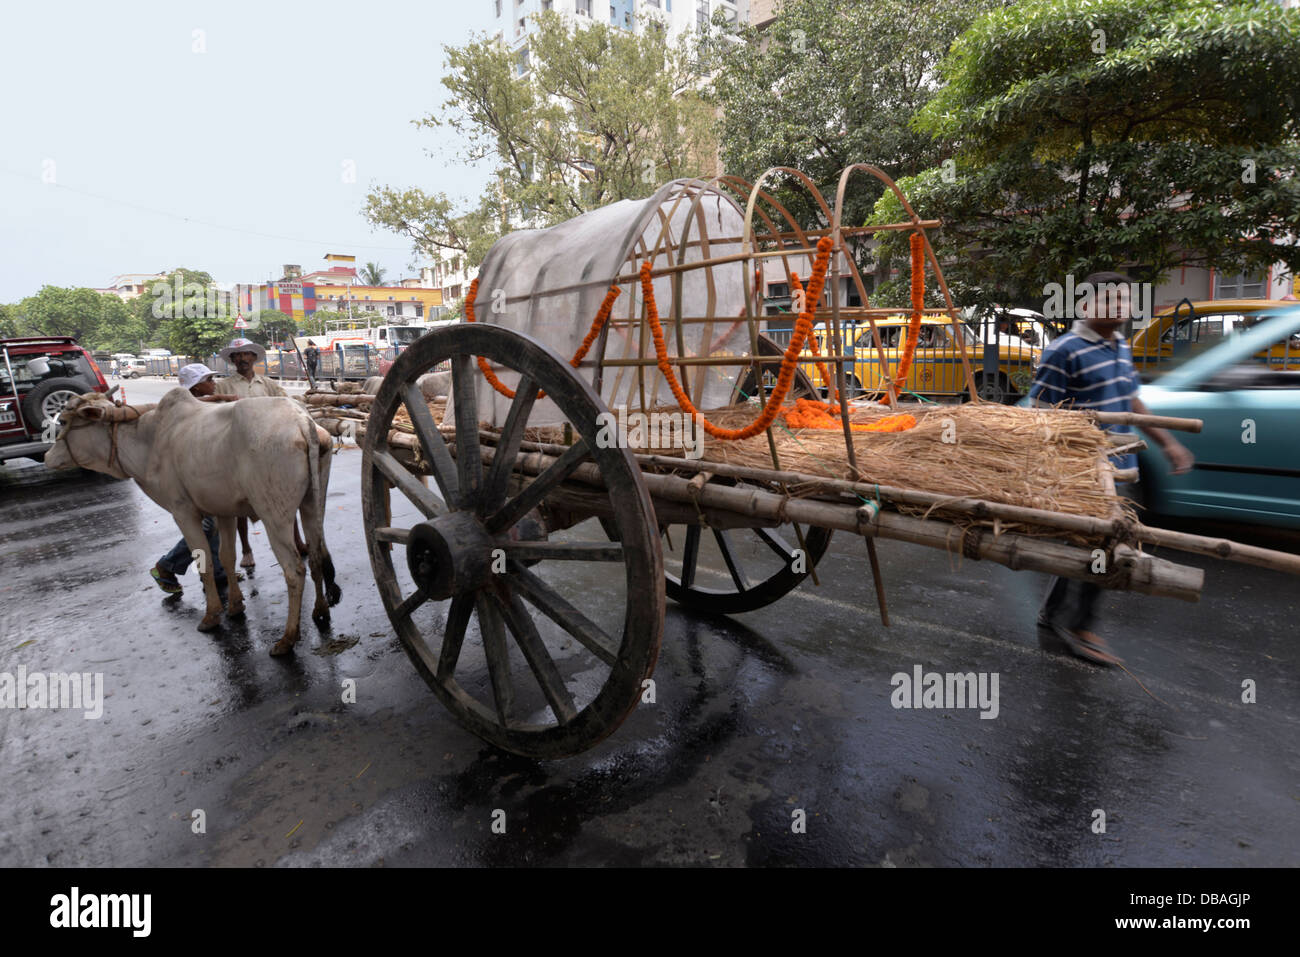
(38, 375)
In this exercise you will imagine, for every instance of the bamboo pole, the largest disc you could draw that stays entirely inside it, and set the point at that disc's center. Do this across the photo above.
(975, 508)
(1138, 572)
(1145, 421)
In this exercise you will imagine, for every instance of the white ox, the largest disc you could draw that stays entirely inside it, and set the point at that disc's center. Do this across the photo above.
(259, 458)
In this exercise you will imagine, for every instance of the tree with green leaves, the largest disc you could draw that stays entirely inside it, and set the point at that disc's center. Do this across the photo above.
(830, 83)
(372, 274)
(193, 318)
(96, 320)
(1095, 134)
(11, 321)
(596, 114)
(272, 326)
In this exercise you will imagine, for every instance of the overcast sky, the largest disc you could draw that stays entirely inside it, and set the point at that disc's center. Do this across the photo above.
(229, 160)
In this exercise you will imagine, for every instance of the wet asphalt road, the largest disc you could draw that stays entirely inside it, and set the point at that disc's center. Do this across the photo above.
(756, 718)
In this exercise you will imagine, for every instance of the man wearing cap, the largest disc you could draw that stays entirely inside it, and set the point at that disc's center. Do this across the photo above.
(198, 379)
(244, 383)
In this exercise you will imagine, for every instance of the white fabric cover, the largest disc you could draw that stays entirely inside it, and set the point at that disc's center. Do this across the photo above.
(593, 249)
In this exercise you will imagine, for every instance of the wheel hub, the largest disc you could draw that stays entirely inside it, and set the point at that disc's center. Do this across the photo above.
(450, 555)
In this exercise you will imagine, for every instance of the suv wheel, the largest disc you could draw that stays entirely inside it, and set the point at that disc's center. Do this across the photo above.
(48, 399)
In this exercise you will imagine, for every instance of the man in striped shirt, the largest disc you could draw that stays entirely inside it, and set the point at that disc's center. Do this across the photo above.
(1091, 367)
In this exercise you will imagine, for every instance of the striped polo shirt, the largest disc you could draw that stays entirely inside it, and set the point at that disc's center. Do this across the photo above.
(1085, 371)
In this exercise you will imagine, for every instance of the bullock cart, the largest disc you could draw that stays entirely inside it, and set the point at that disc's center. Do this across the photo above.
(618, 429)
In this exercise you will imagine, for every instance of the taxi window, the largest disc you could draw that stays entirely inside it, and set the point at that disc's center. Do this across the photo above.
(890, 337)
(1201, 328)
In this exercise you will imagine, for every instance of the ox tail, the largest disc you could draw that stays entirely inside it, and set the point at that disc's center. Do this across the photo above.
(314, 529)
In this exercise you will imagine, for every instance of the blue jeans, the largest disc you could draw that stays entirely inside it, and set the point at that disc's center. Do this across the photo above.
(177, 561)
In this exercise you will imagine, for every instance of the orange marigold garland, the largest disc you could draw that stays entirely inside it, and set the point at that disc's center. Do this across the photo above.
(810, 414)
(831, 387)
(806, 413)
(918, 303)
(802, 329)
(602, 317)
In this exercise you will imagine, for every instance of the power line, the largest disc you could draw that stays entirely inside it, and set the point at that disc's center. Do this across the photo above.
(200, 222)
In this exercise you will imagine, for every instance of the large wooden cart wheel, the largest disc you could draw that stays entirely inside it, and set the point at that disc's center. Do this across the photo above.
(801, 388)
(512, 656)
(740, 570)
(731, 571)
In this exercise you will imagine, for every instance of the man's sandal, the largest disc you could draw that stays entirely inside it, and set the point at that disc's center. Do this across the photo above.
(1086, 645)
(165, 581)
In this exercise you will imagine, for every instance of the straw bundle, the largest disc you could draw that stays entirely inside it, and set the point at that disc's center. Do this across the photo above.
(1032, 458)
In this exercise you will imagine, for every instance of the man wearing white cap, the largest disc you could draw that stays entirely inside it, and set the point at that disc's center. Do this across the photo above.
(244, 383)
(198, 379)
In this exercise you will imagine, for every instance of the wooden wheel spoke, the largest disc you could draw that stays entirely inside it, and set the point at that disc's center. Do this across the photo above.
(565, 551)
(512, 433)
(536, 490)
(468, 462)
(406, 608)
(498, 656)
(733, 563)
(454, 635)
(776, 543)
(398, 536)
(690, 555)
(434, 445)
(411, 487)
(539, 659)
(557, 608)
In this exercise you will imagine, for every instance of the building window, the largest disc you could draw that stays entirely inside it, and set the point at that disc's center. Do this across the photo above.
(392, 311)
(498, 8)
(521, 63)
(778, 290)
(1241, 286)
(583, 8)
(547, 5)
(453, 292)
(702, 15)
